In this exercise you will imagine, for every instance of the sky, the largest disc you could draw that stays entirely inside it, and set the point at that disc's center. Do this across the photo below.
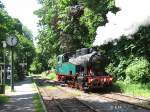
(23, 10)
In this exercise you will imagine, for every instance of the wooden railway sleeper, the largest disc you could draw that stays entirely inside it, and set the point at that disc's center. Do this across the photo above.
(58, 105)
(92, 108)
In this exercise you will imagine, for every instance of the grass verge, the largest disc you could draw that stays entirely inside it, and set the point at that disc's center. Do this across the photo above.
(51, 87)
(137, 90)
(37, 103)
(37, 98)
(49, 74)
(52, 76)
(3, 99)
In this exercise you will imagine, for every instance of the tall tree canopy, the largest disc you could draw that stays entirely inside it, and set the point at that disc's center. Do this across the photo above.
(67, 25)
(24, 51)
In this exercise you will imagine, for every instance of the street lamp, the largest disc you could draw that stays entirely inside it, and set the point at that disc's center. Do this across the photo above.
(12, 42)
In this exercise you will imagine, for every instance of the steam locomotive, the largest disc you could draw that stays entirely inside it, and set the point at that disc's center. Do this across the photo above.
(83, 69)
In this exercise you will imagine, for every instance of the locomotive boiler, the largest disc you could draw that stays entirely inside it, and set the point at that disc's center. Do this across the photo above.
(84, 69)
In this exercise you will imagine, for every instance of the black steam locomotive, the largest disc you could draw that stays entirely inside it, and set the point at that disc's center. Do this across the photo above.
(83, 69)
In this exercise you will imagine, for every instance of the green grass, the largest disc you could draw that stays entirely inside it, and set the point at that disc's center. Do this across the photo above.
(36, 99)
(78, 93)
(7, 88)
(52, 76)
(3, 99)
(51, 87)
(45, 74)
(37, 103)
(138, 90)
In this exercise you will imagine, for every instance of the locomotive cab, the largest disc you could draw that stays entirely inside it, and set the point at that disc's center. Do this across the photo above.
(65, 70)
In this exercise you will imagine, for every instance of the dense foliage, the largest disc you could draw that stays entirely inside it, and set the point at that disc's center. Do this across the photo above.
(24, 51)
(126, 51)
(67, 25)
(138, 70)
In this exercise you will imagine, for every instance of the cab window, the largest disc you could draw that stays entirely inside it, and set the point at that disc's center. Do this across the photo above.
(59, 59)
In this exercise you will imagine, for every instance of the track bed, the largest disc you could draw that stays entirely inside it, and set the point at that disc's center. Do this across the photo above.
(65, 99)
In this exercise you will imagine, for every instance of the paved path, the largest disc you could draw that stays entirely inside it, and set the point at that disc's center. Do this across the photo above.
(21, 99)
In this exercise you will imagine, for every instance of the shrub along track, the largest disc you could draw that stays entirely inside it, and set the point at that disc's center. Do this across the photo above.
(60, 100)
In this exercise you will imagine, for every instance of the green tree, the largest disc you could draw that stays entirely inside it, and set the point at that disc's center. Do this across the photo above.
(67, 25)
(124, 52)
(25, 48)
(27, 33)
(138, 70)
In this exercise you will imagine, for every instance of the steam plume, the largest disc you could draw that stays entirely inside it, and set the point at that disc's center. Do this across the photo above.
(133, 14)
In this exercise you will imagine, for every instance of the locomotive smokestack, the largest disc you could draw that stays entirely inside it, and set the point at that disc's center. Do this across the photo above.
(132, 15)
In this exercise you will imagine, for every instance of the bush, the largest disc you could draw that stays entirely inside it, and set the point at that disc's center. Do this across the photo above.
(3, 99)
(36, 66)
(111, 70)
(118, 70)
(138, 71)
(2, 89)
(138, 90)
(52, 61)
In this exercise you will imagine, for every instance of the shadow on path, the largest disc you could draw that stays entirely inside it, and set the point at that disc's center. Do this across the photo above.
(20, 100)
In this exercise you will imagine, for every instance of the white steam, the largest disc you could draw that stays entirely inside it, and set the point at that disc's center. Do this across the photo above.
(133, 14)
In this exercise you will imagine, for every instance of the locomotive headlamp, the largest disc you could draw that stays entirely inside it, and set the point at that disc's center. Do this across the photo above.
(104, 79)
(110, 79)
(90, 80)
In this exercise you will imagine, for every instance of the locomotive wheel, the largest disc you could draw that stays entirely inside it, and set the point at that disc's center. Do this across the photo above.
(81, 87)
(76, 85)
(69, 84)
(58, 78)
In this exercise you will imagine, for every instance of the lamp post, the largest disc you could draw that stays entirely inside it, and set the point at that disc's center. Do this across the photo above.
(12, 42)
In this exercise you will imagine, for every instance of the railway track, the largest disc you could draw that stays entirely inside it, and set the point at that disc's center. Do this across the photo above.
(63, 104)
(139, 102)
(124, 99)
(117, 104)
(85, 104)
(73, 104)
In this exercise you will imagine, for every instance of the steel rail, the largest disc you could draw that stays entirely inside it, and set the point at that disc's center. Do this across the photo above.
(131, 97)
(56, 102)
(41, 98)
(61, 107)
(141, 106)
(90, 107)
